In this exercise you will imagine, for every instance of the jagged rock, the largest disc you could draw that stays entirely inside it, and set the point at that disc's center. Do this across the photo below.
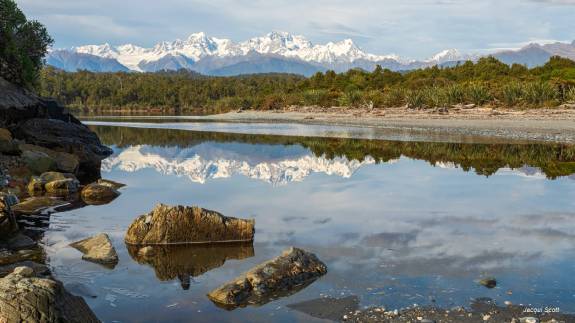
(29, 299)
(182, 261)
(37, 204)
(39, 162)
(68, 137)
(109, 183)
(65, 162)
(45, 123)
(284, 275)
(8, 224)
(98, 194)
(98, 249)
(183, 224)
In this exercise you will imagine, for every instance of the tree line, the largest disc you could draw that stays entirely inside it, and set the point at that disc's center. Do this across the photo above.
(487, 81)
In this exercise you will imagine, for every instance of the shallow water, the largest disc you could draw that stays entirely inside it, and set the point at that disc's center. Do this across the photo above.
(397, 222)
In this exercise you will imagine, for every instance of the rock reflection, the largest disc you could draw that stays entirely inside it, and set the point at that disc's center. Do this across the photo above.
(185, 261)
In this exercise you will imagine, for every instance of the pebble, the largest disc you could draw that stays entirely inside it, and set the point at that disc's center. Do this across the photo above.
(486, 317)
(529, 319)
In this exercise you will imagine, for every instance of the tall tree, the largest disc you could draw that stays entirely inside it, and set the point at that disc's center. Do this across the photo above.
(23, 45)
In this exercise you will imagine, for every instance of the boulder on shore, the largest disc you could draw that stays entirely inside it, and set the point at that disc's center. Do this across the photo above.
(183, 224)
(65, 162)
(98, 249)
(55, 183)
(284, 275)
(98, 194)
(39, 162)
(24, 298)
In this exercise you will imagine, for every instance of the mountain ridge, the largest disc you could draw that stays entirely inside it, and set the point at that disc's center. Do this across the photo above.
(277, 52)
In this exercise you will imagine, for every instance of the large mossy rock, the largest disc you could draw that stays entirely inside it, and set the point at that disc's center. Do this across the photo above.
(293, 270)
(98, 249)
(24, 298)
(183, 224)
(39, 162)
(65, 162)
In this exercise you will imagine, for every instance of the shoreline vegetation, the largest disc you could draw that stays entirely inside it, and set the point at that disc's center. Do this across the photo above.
(487, 83)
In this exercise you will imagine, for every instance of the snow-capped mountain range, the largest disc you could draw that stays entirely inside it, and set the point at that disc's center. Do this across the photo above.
(277, 51)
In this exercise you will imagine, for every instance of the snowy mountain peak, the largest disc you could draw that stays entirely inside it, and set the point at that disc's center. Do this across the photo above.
(446, 56)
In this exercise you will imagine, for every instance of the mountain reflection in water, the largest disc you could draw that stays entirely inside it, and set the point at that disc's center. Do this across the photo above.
(280, 159)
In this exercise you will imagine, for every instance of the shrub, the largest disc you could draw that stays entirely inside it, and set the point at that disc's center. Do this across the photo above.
(415, 99)
(538, 93)
(512, 93)
(316, 97)
(478, 93)
(353, 98)
(455, 94)
(570, 95)
(435, 96)
(394, 97)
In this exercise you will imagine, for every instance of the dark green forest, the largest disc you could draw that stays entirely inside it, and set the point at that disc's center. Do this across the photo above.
(486, 82)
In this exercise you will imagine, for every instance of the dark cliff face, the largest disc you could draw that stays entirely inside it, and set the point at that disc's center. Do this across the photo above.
(43, 122)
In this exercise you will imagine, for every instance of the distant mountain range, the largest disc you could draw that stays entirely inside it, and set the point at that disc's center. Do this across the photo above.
(276, 52)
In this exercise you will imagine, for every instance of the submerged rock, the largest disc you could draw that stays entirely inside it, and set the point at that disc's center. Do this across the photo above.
(24, 298)
(183, 224)
(328, 308)
(8, 224)
(98, 194)
(37, 204)
(110, 183)
(182, 261)
(488, 282)
(98, 249)
(284, 275)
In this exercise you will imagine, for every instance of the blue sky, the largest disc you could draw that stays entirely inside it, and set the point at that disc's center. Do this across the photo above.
(415, 29)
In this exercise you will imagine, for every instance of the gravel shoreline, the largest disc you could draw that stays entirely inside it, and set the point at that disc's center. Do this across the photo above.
(550, 125)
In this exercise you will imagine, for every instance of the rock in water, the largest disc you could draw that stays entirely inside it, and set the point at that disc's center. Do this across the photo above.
(98, 194)
(183, 224)
(109, 183)
(98, 249)
(8, 224)
(292, 271)
(488, 282)
(62, 187)
(29, 299)
(37, 204)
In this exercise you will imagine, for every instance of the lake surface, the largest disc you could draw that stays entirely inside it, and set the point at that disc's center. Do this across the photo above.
(397, 222)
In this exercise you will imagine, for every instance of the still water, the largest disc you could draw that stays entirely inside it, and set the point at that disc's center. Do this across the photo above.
(397, 222)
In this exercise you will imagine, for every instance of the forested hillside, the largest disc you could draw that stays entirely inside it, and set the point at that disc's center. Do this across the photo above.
(488, 81)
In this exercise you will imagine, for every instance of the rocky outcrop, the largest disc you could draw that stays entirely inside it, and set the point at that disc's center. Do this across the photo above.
(98, 249)
(68, 137)
(183, 224)
(185, 261)
(44, 123)
(284, 275)
(110, 183)
(24, 298)
(98, 194)
(64, 162)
